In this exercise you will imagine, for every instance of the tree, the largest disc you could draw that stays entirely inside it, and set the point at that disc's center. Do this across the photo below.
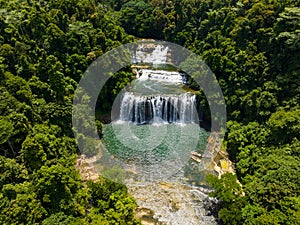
(230, 194)
(111, 203)
(6, 129)
(274, 179)
(19, 205)
(58, 218)
(45, 145)
(11, 172)
(56, 77)
(285, 125)
(60, 190)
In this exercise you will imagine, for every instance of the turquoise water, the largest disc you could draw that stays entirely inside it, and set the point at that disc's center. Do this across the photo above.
(151, 87)
(151, 144)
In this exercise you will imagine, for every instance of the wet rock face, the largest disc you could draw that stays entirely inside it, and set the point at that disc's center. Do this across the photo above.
(172, 203)
(146, 216)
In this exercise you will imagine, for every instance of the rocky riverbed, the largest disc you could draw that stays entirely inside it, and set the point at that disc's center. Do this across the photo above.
(173, 203)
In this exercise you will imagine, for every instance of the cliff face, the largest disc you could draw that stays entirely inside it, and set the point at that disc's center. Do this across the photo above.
(219, 161)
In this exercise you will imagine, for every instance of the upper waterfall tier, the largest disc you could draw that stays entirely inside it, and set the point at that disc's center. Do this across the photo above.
(150, 53)
(155, 109)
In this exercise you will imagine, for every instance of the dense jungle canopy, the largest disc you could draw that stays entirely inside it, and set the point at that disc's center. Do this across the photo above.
(253, 48)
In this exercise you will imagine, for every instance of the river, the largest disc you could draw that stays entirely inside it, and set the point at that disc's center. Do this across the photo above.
(156, 138)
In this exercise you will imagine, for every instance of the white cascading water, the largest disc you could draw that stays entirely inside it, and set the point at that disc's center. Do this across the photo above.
(157, 56)
(149, 109)
(160, 75)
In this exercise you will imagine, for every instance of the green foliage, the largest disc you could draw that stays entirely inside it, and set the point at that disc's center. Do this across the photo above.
(57, 219)
(229, 192)
(274, 179)
(45, 144)
(261, 90)
(6, 129)
(112, 203)
(20, 205)
(45, 47)
(58, 188)
(285, 125)
(226, 188)
(267, 162)
(239, 136)
(117, 82)
(11, 172)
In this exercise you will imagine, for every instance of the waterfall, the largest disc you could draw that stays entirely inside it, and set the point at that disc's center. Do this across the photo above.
(158, 106)
(151, 109)
(160, 150)
(161, 75)
(146, 53)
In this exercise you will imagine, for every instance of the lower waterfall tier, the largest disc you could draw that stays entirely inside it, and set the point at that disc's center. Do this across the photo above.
(154, 109)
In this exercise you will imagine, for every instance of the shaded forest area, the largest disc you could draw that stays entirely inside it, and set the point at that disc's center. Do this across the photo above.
(252, 46)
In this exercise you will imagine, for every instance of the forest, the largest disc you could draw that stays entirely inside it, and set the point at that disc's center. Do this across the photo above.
(253, 48)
